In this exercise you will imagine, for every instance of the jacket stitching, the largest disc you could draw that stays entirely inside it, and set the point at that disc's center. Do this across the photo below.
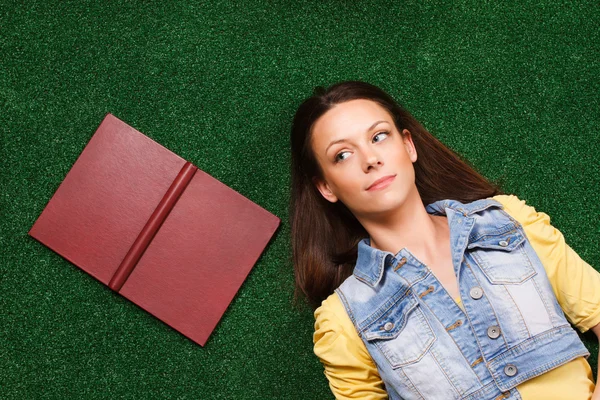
(451, 381)
(457, 346)
(518, 309)
(417, 391)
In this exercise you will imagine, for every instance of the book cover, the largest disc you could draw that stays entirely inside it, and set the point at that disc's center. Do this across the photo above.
(155, 228)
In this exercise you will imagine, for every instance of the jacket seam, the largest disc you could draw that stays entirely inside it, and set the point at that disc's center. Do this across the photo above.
(450, 381)
(518, 309)
(543, 298)
(417, 391)
(347, 307)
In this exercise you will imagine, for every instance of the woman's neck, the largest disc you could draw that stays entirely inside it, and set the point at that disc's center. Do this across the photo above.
(409, 227)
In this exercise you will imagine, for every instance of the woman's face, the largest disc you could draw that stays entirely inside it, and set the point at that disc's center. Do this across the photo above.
(367, 164)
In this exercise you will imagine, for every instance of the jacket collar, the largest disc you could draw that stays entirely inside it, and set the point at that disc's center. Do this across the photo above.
(371, 262)
(440, 207)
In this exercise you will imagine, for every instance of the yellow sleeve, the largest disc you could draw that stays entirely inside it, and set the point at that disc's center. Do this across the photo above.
(349, 368)
(576, 284)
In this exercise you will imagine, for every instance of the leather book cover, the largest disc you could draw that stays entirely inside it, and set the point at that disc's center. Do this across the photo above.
(155, 228)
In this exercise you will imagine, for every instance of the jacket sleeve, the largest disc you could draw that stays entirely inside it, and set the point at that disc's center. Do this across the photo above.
(349, 368)
(575, 283)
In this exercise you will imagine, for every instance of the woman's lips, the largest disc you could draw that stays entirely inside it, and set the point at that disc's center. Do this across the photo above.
(382, 183)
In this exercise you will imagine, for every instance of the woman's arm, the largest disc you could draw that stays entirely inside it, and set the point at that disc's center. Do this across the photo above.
(596, 395)
(348, 366)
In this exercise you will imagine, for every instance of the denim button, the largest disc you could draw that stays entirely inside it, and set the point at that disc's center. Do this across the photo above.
(388, 326)
(510, 370)
(503, 243)
(493, 332)
(476, 292)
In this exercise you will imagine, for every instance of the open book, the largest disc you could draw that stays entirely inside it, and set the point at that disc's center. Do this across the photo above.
(155, 228)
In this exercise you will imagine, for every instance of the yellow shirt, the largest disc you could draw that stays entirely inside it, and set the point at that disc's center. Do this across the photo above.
(352, 373)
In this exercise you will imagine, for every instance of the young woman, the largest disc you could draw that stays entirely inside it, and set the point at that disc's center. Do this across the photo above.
(428, 283)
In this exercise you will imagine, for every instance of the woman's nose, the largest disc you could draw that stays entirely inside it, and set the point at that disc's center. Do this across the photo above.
(372, 160)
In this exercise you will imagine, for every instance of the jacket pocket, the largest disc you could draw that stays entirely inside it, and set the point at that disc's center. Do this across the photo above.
(502, 256)
(402, 333)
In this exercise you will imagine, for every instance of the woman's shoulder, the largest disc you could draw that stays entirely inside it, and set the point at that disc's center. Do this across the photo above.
(514, 206)
(510, 202)
(521, 211)
(335, 339)
(331, 318)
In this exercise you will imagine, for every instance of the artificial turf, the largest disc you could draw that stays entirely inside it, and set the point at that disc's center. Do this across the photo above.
(511, 86)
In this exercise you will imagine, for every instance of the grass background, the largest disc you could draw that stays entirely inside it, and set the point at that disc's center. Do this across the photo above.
(513, 87)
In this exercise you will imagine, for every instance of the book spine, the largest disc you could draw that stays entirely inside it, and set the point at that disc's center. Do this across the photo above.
(159, 215)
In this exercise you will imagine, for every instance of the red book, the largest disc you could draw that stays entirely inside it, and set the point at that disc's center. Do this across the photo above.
(155, 228)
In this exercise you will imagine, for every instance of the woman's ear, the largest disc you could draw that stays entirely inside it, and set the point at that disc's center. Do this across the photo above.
(325, 190)
(409, 145)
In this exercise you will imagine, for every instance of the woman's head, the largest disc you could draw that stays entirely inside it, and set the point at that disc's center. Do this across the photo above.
(305, 163)
(329, 184)
(364, 161)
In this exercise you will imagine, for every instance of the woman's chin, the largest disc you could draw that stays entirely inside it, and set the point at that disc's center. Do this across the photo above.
(384, 208)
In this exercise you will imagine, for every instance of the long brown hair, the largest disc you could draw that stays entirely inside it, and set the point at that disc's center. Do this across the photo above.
(325, 235)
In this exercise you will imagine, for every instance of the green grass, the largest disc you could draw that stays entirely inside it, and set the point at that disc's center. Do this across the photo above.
(513, 88)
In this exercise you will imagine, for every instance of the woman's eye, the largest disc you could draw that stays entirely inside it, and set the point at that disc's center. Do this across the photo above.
(341, 156)
(380, 136)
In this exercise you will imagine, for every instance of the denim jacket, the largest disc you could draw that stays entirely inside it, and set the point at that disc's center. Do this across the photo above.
(426, 347)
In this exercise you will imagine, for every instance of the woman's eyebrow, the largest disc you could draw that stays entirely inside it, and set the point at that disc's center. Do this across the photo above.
(334, 142)
(344, 140)
(375, 124)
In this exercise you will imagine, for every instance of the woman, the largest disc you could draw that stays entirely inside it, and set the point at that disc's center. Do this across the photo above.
(428, 283)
